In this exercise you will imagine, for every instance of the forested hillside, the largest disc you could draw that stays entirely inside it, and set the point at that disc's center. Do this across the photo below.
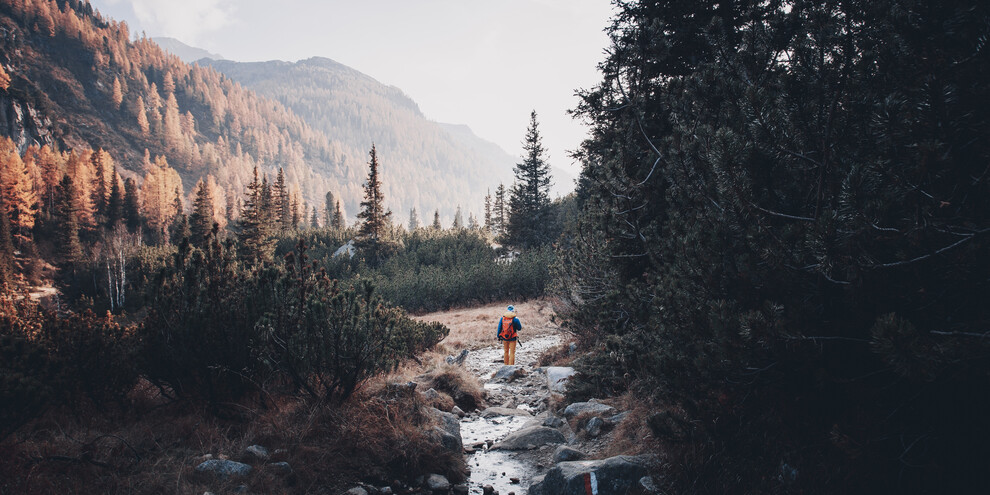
(428, 167)
(81, 83)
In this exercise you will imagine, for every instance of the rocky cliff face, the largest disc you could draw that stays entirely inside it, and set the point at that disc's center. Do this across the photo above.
(24, 124)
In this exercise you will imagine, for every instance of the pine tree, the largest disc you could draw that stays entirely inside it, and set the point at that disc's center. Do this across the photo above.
(201, 220)
(328, 206)
(256, 242)
(115, 204)
(488, 212)
(413, 220)
(116, 94)
(179, 226)
(472, 222)
(69, 249)
(530, 195)
(132, 206)
(338, 222)
(500, 212)
(436, 220)
(314, 220)
(458, 219)
(375, 219)
(294, 211)
(6, 248)
(281, 202)
(142, 116)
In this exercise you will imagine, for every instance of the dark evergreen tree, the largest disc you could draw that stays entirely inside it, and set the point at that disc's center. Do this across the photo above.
(67, 245)
(413, 220)
(256, 242)
(458, 219)
(783, 237)
(115, 203)
(436, 220)
(488, 212)
(6, 248)
(530, 195)
(282, 203)
(375, 219)
(314, 220)
(201, 220)
(132, 206)
(501, 212)
(338, 222)
(328, 209)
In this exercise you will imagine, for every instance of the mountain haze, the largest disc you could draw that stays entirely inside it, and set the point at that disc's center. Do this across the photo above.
(188, 54)
(425, 165)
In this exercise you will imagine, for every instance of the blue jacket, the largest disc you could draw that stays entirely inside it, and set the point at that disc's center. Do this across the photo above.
(516, 324)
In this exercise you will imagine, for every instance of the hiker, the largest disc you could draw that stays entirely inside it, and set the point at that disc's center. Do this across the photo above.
(508, 332)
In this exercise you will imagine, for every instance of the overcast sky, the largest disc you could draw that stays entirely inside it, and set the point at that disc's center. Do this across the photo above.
(481, 63)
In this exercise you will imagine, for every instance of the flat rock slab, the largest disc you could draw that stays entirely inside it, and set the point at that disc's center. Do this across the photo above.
(579, 408)
(612, 476)
(509, 372)
(223, 468)
(558, 377)
(531, 438)
(492, 412)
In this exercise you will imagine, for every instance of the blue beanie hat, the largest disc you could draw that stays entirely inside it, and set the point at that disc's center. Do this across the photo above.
(512, 308)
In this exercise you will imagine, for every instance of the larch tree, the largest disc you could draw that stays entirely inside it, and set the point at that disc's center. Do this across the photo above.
(142, 117)
(158, 195)
(17, 190)
(116, 94)
(530, 195)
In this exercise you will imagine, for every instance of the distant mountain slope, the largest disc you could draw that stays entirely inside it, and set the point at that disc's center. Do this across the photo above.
(79, 81)
(188, 54)
(425, 165)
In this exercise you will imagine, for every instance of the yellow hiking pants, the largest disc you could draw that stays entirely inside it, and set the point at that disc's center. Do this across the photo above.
(509, 356)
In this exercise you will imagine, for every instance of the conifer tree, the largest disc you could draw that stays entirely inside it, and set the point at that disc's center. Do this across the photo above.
(116, 94)
(6, 247)
(132, 205)
(314, 220)
(115, 203)
(413, 220)
(472, 222)
(201, 220)
(256, 242)
(436, 220)
(375, 219)
(338, 222)
(281, 202)
(69, 249)
(500, 212)
(488, 211)
(328, 206)
(530, 195)
(458, 219)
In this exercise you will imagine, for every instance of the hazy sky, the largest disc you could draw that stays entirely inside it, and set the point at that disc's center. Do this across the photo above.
(481, 63)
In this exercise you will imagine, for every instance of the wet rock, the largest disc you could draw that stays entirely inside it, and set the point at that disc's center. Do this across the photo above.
(492, 412)
(256, 453)
(571, 349)
(437, 483)
(459, 359)
(223, 469)
(612, 476)
(558, 377)
(579, 408)
(385, 490)
(565, 453)
(448, 430)
(508, 373)
(488, 490)
(531, 438)
(594, 426)
(283, 468)
(458, 411)
(357, 490)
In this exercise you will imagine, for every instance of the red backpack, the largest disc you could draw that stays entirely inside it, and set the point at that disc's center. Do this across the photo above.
(508, 331)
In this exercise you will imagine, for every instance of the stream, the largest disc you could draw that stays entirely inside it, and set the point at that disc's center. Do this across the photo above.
(507, 471)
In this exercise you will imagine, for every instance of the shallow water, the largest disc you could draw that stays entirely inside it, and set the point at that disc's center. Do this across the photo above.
(498, 467)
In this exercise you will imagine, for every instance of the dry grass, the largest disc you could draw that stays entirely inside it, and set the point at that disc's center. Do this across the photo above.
(471, 328)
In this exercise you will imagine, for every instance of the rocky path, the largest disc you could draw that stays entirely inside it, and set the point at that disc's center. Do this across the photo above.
(521, 395)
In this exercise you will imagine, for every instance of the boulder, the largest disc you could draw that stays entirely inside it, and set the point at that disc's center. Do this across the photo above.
(459, 360)
(618, 418)
(509, 372)
(531, 438)
(357, 490)
(223, 468)
(492, 412)
(594, 426)
(282, 468)
(437, 483)
(558, 377)
(488, 490)
(448, 431)
(553, 422)
(565, 453)
(458, 411)
(579, 408)
(256, 453)
(431, 394)
(346, 250)
(396, 389)
(461, 489)
(612, 476)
